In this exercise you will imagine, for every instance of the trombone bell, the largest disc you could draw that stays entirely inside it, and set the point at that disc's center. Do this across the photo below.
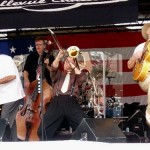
(73, 51)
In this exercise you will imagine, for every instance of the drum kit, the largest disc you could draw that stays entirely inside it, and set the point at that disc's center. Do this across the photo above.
(92, 95)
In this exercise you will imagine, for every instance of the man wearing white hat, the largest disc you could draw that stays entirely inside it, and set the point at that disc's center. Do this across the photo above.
(138, 55)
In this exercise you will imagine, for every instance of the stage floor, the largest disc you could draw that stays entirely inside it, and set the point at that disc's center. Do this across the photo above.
(69, 145)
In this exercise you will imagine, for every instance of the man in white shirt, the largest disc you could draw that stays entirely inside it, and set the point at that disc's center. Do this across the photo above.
(11, 92)
(137, 56)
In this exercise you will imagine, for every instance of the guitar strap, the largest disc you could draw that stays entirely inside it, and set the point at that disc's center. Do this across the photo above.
(146, 45)
(144, 50)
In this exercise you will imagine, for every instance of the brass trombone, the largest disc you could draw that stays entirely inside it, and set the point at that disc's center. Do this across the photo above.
(72, 51)
(55, 39)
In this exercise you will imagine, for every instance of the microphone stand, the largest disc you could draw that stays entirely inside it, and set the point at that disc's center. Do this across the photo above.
(40, 90)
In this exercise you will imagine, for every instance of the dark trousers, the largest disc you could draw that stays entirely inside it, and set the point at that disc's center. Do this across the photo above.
(9, 111)
(61, 107)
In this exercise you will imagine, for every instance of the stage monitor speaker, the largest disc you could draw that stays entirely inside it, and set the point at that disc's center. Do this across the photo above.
(136, 123)
(99, 129)
(5, 132)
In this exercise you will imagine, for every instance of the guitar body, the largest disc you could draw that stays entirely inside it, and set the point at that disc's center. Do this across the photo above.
(142, 68)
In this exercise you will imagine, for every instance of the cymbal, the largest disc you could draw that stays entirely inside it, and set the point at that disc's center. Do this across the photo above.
(110, 77)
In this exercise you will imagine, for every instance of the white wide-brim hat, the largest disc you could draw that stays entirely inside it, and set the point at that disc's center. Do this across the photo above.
(144, 29)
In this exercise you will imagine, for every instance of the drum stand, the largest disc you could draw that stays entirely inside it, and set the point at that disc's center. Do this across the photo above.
(96, 105)
(109, 80)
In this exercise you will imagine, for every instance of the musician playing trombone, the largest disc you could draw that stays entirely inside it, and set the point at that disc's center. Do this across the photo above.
(67, 79)
(138, 61)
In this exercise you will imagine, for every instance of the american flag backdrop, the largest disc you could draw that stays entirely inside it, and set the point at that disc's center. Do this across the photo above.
(117, 47)
(18, 49)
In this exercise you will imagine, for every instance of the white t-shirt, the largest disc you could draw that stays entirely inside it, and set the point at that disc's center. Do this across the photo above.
(12, 90)
(139, 48)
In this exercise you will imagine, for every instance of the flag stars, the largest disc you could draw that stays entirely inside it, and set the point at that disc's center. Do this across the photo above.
(13, 49)
(30, 48)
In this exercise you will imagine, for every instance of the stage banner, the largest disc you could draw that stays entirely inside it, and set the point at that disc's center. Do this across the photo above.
(65, 13)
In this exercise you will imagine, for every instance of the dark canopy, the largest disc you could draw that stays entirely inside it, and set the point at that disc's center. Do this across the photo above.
(65, 13)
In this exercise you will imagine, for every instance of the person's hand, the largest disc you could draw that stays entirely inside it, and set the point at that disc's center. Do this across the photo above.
(76, 70)
(60, 54)
(72, 65)
(46, 61)
(55, 63)
(131, 63)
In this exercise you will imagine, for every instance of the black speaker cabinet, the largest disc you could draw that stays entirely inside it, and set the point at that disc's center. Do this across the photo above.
(99, 129)
(136, 123)
(5, 132)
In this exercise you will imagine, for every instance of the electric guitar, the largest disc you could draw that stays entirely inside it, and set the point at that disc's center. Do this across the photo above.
(142, 67)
